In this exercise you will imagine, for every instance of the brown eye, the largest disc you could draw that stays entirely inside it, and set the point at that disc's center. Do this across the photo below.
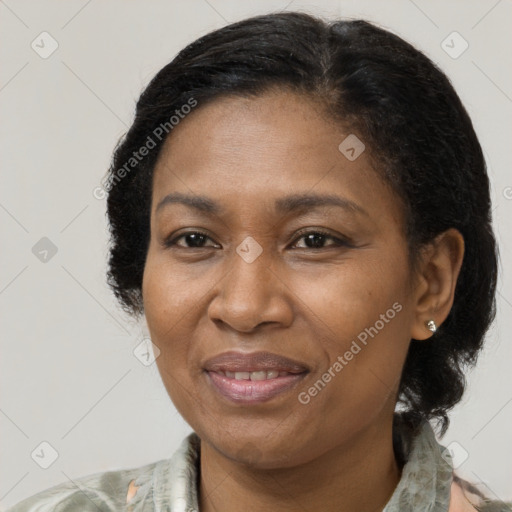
(193, 239)
(315, 239)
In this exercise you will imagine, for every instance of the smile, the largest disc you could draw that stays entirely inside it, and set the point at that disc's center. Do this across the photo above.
(253, 377)
(253, 387)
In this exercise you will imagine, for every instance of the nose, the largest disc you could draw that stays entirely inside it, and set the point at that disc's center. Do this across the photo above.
(251, 294)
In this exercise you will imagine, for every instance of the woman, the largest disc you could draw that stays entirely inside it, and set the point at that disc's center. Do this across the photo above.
(301, 212)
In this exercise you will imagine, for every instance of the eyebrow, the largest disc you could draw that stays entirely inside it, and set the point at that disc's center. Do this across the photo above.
(284, 205)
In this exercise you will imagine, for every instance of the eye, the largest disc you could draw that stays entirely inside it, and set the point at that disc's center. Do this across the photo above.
(314, 239)
(195, 239)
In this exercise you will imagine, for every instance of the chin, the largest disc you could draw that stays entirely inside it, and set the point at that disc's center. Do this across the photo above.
(261, 451)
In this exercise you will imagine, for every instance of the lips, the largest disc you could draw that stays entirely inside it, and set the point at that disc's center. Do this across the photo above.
(255, 377)
(253, 362)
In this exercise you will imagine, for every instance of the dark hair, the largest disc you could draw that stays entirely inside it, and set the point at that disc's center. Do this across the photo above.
(409, 116)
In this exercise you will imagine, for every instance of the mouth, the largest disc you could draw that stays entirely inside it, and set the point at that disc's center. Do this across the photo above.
(254, 375)
(253, 378)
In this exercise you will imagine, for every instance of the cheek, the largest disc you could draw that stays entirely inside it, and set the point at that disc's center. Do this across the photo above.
(359, 383)
(350, 296)
(168, 305)
(167, 302)
(168, 293)
(360, 311)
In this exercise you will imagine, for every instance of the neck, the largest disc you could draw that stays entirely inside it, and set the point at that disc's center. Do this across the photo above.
(337, 481)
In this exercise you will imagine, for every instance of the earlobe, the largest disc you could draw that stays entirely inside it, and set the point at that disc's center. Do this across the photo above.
(435, 291)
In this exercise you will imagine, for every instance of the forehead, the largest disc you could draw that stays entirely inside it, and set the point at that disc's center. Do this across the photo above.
(246, 151)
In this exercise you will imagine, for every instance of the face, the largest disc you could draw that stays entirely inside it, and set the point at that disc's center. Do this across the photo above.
(283, 319)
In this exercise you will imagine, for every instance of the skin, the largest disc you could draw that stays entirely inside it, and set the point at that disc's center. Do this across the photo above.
(296, 300)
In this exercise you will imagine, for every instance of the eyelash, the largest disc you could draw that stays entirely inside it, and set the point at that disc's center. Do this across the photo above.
(339, 242)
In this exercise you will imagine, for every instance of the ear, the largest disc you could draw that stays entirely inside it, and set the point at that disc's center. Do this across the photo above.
(435, 281)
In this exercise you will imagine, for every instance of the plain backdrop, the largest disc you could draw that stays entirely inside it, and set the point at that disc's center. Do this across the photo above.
(68, 372)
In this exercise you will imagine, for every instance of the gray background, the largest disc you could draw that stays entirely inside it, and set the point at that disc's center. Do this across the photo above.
(69, 375)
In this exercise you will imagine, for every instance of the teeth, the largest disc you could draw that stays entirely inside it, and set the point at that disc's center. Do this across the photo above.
(258, 375)
(261, 375)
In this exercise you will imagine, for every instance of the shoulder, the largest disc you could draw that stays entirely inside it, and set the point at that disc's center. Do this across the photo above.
(106, 491)
(140, 488)
(465, 497)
